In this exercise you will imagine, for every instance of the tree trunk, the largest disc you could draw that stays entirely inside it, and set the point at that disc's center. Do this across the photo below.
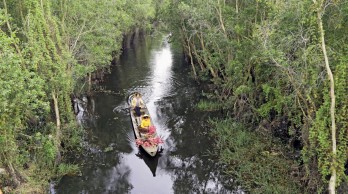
(220, 19)
(128, 40)
(58, 124)
(89, 82)
(56, 111)
(13, 175)
(200, 37)
(10, 29)
(191, 59)
(136, 34)
(332, 183)
(237, 6)
(198, 57)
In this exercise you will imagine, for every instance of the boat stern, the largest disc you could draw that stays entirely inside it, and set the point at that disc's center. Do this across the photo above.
(152, 151)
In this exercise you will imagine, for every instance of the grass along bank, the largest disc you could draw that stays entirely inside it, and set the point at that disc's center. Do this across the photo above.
(259, 164)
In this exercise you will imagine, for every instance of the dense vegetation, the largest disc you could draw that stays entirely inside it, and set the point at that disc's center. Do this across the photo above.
(46, 48)
(278, 69)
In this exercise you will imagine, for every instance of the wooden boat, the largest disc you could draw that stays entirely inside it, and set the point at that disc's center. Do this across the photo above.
(140, 136)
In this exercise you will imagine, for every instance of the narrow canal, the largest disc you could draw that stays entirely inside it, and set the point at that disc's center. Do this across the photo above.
(113, 163)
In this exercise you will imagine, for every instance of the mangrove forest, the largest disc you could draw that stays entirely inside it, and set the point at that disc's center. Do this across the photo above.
(247, 96)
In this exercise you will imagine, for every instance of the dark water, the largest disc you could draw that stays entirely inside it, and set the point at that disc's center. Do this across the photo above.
(113, 163)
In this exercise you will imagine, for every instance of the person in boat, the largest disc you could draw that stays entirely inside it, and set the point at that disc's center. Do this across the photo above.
(137, 104)
(145, 124)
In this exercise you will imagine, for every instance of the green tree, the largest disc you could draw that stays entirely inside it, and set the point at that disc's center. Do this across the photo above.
(22, 96)
(34, 75)
(46, 48)
(263, 61)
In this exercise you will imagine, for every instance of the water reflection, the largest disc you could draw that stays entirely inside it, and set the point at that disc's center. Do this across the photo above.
(150, 162)
(116, 165)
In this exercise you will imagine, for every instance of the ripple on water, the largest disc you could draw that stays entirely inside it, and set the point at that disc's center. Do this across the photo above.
(169, 93)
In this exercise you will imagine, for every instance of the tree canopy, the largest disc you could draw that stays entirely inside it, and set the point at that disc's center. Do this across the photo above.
(47, 47)
(268, 70)
(276, 69)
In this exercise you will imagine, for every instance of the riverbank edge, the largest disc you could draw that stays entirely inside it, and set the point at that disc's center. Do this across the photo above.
(33, 182)
(259, 163)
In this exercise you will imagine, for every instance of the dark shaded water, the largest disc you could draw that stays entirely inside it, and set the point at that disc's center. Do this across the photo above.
(113, 163)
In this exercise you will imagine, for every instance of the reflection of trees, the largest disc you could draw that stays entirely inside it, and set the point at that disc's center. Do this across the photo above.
(196, 174)
(187, 147)
(104, 173)
(84, 109)
(108, 180)
(193, 174)
(103, 125)
(114, 180)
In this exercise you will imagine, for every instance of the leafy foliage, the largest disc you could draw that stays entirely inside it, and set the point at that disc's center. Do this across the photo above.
(264, 66)
(46, 47)
(257, 162)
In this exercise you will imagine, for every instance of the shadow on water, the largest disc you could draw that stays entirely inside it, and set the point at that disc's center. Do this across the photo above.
(151, 162)
(113, 163)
